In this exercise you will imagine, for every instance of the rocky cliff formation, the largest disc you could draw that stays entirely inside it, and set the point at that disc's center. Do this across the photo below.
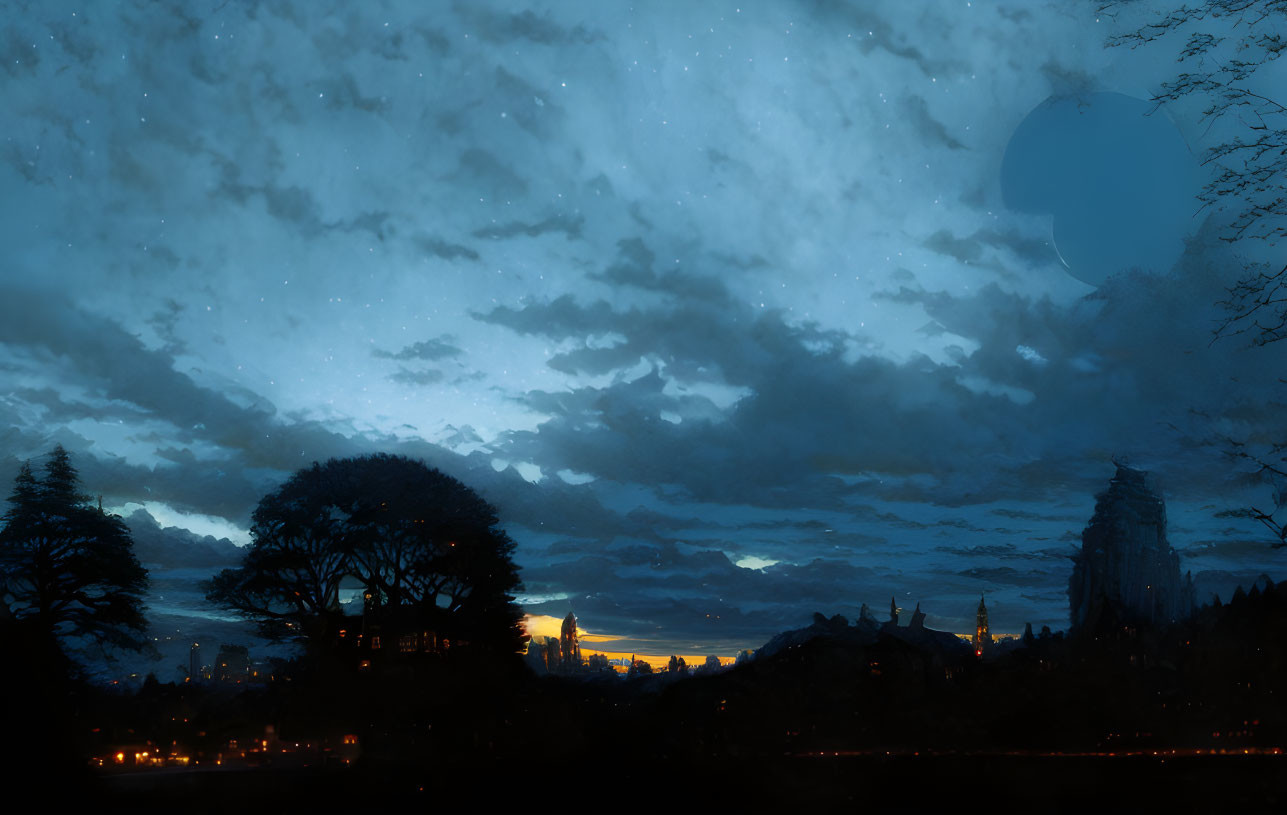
(1125, 564)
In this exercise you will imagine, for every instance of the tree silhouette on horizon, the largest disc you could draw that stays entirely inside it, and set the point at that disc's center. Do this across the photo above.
(426, 549)
(68, 569)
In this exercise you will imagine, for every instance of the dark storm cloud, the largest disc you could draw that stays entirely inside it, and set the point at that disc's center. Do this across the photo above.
(1137, 357)
(428, 376)
(973, 249)
(165, 322)
(663, 573)
(917, 114)
(171, 547)
(1005, 551)
(250, 449)
(1096, 380)
(881, 34)
(966, 250)
(445, 249)
(569, 227)
(635, 268)
(270, 225)
(299, 208)
(707, 626)
(699, 332)
(502, 27)
(481, 171)
(219, 489)
(103, 355)
(1006, 576)
(431, 349)
(1232, 547)
(813, 411)
(57, 408)
(1027, 515)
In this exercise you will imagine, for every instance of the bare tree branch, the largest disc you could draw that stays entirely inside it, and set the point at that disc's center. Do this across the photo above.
(1228, 42)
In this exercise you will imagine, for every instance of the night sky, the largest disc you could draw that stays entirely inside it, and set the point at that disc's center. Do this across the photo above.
(734, 312)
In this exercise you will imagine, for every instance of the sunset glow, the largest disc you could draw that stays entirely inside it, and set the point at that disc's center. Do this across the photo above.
(543, 625)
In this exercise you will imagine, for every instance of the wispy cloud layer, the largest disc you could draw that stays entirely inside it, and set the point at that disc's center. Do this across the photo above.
(677, 287)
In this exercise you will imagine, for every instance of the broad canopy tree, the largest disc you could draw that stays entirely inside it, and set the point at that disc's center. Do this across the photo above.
(68, 569)
(426, 550)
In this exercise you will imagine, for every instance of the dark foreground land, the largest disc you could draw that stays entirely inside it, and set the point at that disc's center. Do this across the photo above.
(1251, 783)
(833, 717)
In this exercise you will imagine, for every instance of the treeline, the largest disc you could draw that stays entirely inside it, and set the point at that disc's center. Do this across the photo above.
(423, 554)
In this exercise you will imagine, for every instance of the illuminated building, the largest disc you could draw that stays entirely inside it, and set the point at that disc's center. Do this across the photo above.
(232, 664)
(194, 662)
(369, 633)
(982, 639)
(569, 646)
(536, 656)
(551, 654)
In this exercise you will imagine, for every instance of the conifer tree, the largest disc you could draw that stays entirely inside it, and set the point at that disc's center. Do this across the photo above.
(68, 569)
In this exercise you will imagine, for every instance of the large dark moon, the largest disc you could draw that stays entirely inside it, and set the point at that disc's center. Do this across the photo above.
(1116, 176)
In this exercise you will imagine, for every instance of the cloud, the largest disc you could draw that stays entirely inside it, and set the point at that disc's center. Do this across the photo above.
(817, 411)
(502, 27)
(431, 350)
(569, 227)
(428, 376)
(445, 249)
(1012, 577)
(916, 109)
(745, 276)
(166, 548)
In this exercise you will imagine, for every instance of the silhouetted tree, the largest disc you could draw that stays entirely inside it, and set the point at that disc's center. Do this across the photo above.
(1222, 46)
(1225, 43)
(638, 668)
(425, 546)
(68, 569)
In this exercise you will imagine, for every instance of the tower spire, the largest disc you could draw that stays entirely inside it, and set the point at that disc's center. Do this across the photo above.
(982, 639)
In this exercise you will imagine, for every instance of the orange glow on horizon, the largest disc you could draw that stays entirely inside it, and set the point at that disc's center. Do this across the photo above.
(543, 625)
(659, 661)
